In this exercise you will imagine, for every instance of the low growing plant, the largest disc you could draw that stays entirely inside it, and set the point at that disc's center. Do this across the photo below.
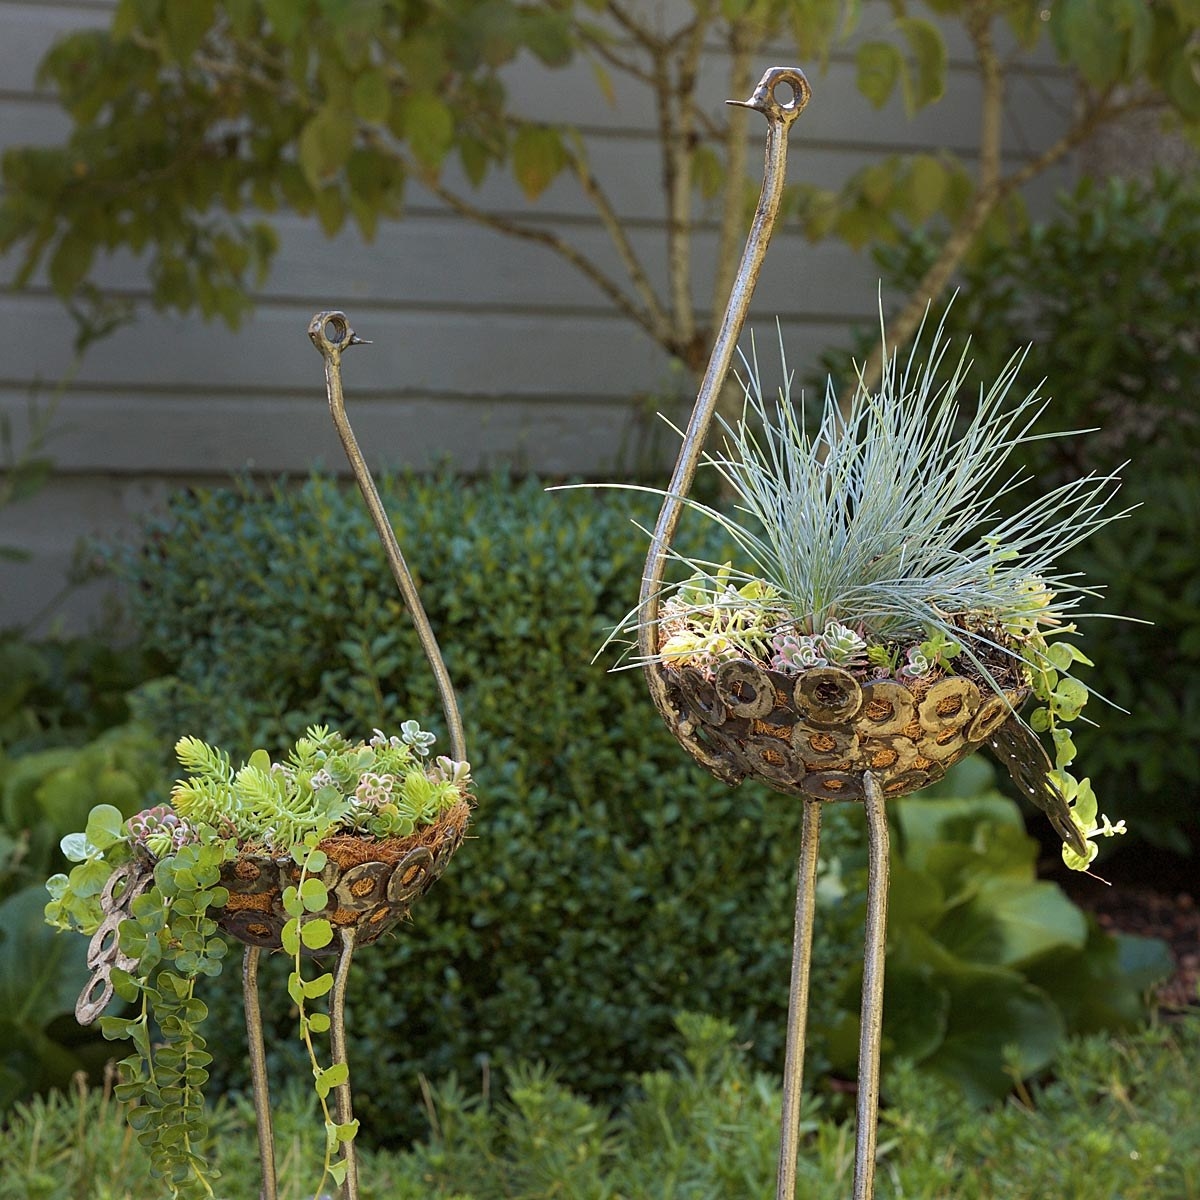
(1119, 1118)
(165, 870)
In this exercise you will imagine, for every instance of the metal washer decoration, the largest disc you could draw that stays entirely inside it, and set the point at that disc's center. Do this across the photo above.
(372, 884)
(816, 733)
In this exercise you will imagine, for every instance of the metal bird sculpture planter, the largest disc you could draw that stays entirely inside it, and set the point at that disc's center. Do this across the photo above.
(314, 855)
(823, 690)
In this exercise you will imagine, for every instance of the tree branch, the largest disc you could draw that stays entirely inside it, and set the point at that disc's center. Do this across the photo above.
(658, 317)
(551, 241)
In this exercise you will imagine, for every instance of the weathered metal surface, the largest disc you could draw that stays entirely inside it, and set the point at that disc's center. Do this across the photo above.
(372, 883)
(816, 733)
(104, 953)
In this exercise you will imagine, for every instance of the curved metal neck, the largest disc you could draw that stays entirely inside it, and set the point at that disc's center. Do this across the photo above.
(768, 99)
(331, 334)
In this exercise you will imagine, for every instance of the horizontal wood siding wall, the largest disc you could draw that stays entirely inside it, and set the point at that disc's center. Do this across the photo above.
(486, 351)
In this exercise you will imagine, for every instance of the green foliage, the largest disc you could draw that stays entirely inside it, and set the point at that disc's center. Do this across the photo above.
(988, 967)
(192, 125)
(174, 939)
(189, 119)
(886, 516)
(66, 691)
(1120, 1119)
(1108, 44)
(170, 935)
(306, 932)
(662, 886)
(48, 793)
(380, 788)
(40, 1044)
(1106, 291)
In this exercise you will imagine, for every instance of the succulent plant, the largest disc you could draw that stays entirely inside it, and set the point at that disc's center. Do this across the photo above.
(843, 646)
(796, 652)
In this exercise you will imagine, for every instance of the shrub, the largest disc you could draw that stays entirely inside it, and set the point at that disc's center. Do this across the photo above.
(610, 881)
(1121, 1119)
(1107, 292)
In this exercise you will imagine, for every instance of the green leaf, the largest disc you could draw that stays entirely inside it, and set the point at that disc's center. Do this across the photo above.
(537, 158)
(547, 33)
(105, 825)
(316, 935)
(372, 96)
(75, 847)
(1182, 80)
(928, 49)
(879, 66)
(292, 904)
(315, 860)
(324, 146)
(1089, 39)
(260, 760)
(318, 1022)
(708, 172)
(331, 1077)
(1008, 926)
(428, 127)
(924, 188)
(314, 989)
(286, 17)
(1069, 697)
(40, 972)
(186, 26)
(71, 261)
(290, 937)
(314, 895)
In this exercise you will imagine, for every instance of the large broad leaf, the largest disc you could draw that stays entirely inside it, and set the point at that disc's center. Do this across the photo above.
(41, 972)
(994, 1017)
(923, 824)
(916, 1014)
(999, 1027)
(1104, 985)
(1008, 925)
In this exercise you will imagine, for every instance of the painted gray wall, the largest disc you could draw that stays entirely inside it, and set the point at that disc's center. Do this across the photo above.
(486, 350)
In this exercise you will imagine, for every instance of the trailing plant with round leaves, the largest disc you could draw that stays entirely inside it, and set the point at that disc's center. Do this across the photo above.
(149, 890)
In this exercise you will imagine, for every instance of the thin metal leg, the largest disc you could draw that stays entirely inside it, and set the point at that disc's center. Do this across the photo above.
(343, 1104)
(872, 992)
(793, 1068)
(258, 1071)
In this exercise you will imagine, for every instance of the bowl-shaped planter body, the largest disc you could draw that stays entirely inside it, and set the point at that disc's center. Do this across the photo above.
(816, 732)
(372, 882)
